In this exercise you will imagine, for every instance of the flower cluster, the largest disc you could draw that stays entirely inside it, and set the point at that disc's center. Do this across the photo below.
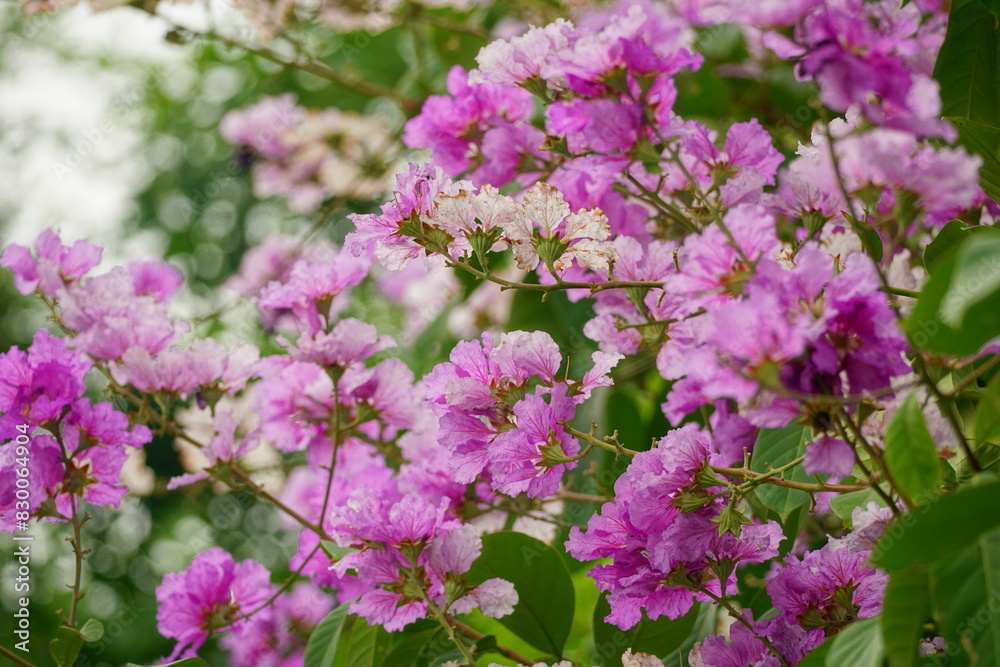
(671, 541)
(503, 413)
(311, 156)
(738, 283)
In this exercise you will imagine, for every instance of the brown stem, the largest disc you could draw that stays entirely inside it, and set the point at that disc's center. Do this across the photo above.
(15, 658)
(475, 635)
(554, 287)
(258, 490)
(752, 475)
(840, 424)
(316, 68)
(281, 589)
(563, 494)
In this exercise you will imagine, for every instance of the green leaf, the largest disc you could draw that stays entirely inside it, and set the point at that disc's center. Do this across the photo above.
(959, 307)
(187, 662)
(92, 631)
(983, 139)
(362, 645)
(940, 528)
(817, 656)
(418, 650)
(870, 239)
(904, 610)
(544, 612)
(334, 551)
(706, 624)
(659, 637)
(945, 242)
(966, 66)
(911, 454)
(843, 504)
(975, 283)
(857, 645)
(322, 646)
(988, 413)
(66, 646)
(778, 447)
(965, 594)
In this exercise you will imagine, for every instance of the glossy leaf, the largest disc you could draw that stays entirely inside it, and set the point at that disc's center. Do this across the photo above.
(959, 307)
(965, 595)
(911, 454)
(322, 646)
(988, 413)
(659, 637)
(904, 610)
(777, 447)
(544, 612)
(361, 645)
(940, 528)
(857, 645)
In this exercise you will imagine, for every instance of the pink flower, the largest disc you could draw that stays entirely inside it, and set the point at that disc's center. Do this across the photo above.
(53, 266)
(38, 384)
(278, 639)
(532, 456)
(111, 314)
(208, 596)
(313, 290)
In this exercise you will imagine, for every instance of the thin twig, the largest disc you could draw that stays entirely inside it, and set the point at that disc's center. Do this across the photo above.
(475, 635)
(15, 658)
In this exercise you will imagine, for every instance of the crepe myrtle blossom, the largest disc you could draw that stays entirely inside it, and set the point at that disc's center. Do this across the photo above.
(37, 384)
(82, 446)
(547, 231)
(299, 401)
(478, 397)
(278, 638)
(225, 446)
(802, 329)
(205, 366)
(479, 126)
(433, 215)
(53, 264)
(122, 309)
(408, 557)
(314, 291)
(662, 534)
(309, 156)
(211, 594)
(815, 596)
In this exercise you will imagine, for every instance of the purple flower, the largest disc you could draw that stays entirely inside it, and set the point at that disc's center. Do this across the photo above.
(36, 385)
(110, 314)
(409, 552)
(315, 290)
(461, 128)
(534, 454)
(829, 455)
(827, 588)
(662, 558)
(278, 638)
(209, 595)
(414, 197)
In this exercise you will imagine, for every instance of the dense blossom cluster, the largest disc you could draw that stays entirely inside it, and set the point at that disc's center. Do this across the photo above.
(744, 284)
